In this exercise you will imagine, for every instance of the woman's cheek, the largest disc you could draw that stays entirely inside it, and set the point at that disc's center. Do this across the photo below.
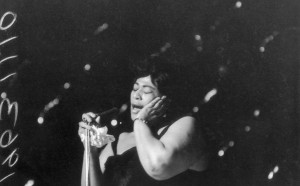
(149, 98)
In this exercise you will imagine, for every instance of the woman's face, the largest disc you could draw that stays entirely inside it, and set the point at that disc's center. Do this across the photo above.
(143, 92)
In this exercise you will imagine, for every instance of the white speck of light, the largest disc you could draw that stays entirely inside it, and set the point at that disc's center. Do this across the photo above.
(29, 183)
(238, 4)
(114, 122)
(262, 49)
(199, 48)
(195, 109)
(197, 37)
(231, 144)
(221, 153)
(210, 94)
(222, 69)
(40, 120)
(168, 45)
(212, 28)
(87, 67)
(256, 112)
(47, 108)
(56, 101)
(3, 95)
(270, 176)
(123, 108)
(276, 169)
(101, 28)
(67, 85)
(51, 105)
(165, 47)
(247, 128)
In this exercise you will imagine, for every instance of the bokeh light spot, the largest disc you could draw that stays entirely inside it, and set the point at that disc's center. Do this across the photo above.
(231, 144)
(276, 169)
(87, 67)
(40, 120)
(3, 95)
(262, 49)
(238, 4)
(247, 128)
(197, 37)
(67, 85)
(195, 109)
(123, 108)
(221, 153)
(256, 112)
(199, 49)
(29, 183)
(56, 101)
(114, 122)
(209, 95)
(270, 176)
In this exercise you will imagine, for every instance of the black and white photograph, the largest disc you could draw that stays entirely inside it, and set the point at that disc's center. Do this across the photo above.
(149, 93)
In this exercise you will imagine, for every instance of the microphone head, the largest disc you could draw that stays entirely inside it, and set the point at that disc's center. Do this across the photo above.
(113, 110)
(105, 116)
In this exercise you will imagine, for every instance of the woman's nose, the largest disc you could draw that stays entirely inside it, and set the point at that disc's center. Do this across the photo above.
(137, 94)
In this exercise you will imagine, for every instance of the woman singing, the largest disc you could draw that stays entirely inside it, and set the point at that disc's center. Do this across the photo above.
(166, 146)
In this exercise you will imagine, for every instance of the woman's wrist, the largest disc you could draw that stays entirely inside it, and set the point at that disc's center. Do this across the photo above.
(140, 119)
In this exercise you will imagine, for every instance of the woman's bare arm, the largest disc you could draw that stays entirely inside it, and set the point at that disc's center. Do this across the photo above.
(179, 148)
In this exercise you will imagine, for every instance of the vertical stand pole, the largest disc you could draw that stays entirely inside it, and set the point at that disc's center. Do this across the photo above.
(87, 156)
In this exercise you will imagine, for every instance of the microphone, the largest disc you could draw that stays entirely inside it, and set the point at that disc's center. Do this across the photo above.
(107, 112)
(99, 116)
(103, 117)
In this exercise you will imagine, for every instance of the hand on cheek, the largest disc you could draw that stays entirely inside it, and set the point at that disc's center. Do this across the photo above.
(153, 110)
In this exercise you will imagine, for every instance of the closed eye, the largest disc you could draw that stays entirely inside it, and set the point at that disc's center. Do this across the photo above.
(147, 90)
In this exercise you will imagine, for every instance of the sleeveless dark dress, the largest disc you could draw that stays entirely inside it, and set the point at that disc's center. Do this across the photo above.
(126, 170)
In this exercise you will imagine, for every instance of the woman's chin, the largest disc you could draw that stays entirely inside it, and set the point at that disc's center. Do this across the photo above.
(133, 116)
(134, 113)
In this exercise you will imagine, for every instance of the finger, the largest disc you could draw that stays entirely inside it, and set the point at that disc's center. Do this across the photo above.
(98, 119)
(162, 108)
(81, 133)
(82, 137)
(91, 114)
(162, 102)
(80, 130)
(158, 104)
(84, 125)
(153, 102)
(88, 117)
(161, 112)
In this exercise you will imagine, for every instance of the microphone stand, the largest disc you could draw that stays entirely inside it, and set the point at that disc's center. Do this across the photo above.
(87, 145)
(87, 157)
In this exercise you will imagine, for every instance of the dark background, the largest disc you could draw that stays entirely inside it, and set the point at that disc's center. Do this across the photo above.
(249, 53)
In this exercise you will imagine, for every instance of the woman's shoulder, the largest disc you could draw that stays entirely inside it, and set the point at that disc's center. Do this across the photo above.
(181, 123)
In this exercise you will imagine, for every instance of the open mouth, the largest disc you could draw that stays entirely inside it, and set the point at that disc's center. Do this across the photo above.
(135, 108)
